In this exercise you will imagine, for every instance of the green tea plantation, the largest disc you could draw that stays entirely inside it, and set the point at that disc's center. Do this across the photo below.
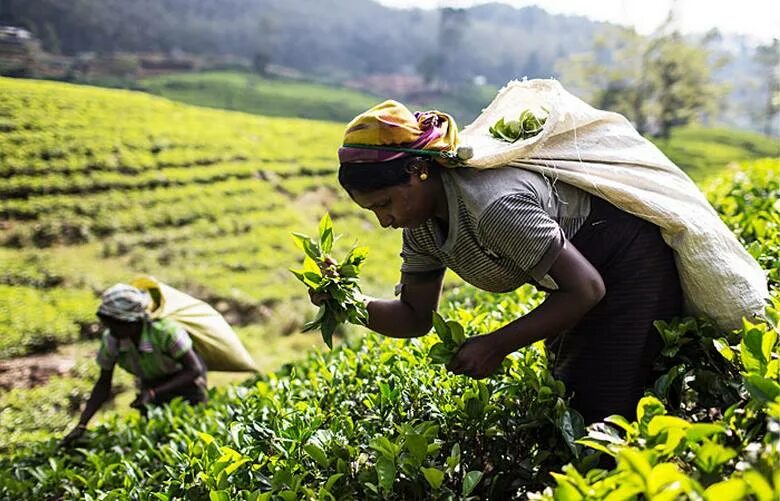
(204, 199)
(100, 185)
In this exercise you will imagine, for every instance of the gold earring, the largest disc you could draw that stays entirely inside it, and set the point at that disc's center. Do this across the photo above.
(423, 176)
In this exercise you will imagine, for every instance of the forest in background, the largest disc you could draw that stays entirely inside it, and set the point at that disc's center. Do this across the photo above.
(442, 52)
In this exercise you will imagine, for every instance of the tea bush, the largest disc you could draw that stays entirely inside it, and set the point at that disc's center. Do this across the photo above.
(21, 334)
(370, 421)
(35, 414)
(717, 437)
(711, 427)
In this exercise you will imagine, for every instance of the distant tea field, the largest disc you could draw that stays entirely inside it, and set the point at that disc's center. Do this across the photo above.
(264, 96)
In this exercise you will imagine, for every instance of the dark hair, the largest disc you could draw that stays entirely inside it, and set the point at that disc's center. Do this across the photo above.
(364, 177)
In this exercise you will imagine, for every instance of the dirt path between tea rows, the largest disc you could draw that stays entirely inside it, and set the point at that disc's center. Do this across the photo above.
(34, 370)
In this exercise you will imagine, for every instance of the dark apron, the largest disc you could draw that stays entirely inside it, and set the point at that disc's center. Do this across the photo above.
(606, 359)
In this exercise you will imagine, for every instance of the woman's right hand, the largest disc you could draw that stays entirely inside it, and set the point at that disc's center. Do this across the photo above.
(318, 298)
(74, 435)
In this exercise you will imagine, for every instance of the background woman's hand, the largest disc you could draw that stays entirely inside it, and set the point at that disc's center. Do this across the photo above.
(478, 357)
(143, 399)
(74, 435)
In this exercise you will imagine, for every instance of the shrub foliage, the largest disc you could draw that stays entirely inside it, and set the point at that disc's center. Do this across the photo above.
(375, 419)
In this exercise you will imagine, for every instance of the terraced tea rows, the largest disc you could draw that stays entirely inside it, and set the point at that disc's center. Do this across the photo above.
(203, 199)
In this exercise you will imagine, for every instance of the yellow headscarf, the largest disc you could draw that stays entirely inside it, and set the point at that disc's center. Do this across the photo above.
(389, 131)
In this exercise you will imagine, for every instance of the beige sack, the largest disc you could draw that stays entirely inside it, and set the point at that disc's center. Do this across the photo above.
(601, 153)
(212, 336)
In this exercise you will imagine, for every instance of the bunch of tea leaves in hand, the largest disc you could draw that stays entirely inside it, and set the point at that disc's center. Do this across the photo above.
(528, 125)
(338, 280)
(452, 336)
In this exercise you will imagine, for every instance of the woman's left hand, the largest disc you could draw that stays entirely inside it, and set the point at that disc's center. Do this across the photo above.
(478, 357)
(145, 398)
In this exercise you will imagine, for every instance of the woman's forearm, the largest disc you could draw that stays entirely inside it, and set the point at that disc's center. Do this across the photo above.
(561, 310)
(182, 378)
(193, 368)
(394, 318)
(100, 394)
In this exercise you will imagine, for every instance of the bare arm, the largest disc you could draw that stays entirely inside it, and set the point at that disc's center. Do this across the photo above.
(101, 392)
(410, 315)
(193, 368)
(580, 288)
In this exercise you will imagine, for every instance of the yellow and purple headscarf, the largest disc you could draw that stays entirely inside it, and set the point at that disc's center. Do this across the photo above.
(389, 131)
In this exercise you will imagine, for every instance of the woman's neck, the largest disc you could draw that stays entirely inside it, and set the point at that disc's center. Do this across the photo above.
(135, 337)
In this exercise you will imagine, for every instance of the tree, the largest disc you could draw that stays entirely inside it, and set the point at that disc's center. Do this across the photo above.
(452, 25)
(428, 67)
(262, 55)
(260, 62)
(49, 39)
(657, 82)
(613, 74)
(680, 82)
(768, 56)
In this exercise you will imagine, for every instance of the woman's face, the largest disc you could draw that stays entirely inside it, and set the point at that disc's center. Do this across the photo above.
(121, 330)
(401, 206)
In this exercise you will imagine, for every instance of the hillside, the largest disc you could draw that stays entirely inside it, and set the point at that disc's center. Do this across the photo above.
(101, 185)
(702, 152)
(699, 151)
(251, 93)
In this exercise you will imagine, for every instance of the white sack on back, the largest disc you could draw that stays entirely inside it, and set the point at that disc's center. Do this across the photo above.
(601, 153)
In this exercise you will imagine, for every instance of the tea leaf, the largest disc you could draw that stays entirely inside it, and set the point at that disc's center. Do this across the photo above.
(470, 482)
(457, 333)
(440, 353)
(710, 455)
(433, 476)
(440, 326)
(699, 431)
(219, 496)
(527, 125)
(734, 489)
(385, 469)
(763, 389)
(752, 349)
(317, 453)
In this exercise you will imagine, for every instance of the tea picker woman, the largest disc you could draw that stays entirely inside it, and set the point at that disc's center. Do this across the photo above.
(158, 352)
(608, 274)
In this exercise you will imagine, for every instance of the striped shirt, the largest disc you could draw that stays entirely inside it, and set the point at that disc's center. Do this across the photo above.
(163, 343)
(506, 228)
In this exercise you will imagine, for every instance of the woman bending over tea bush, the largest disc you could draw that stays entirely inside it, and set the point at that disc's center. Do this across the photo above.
(608, 274)
(158, 352)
